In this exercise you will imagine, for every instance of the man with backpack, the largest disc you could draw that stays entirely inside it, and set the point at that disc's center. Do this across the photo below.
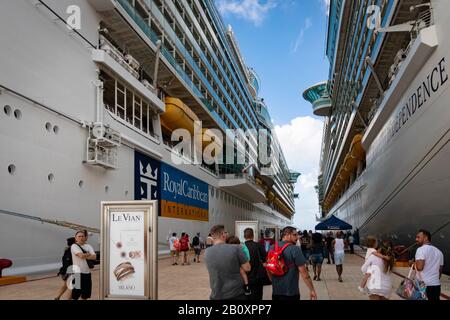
(81, 253)
(285, 261)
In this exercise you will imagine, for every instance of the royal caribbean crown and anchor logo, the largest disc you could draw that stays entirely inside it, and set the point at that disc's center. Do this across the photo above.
(180, 195)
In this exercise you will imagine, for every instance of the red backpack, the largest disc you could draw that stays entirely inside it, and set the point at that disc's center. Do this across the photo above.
(176, 244)
(275, 264)
(184, 243)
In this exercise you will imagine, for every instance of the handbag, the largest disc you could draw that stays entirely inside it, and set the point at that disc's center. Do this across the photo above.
(90, 263)
(412, 287)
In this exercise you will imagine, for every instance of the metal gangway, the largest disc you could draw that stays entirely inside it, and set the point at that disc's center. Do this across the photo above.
(61, 223)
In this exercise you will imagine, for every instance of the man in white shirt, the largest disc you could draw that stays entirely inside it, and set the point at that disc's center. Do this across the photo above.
(429, 261)
(81, 252)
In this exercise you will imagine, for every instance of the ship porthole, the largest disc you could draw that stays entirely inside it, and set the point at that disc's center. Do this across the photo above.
(7, 109)
(11, 169)
(17, 114)
(80, 183)
(106, 189)
(56, 129)
(48, 126)
(51, 177)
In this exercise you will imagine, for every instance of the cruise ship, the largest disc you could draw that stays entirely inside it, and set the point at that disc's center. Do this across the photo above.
(384, 165)
(93, 95)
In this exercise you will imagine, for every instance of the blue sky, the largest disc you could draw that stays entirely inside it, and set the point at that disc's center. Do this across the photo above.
(284, 41)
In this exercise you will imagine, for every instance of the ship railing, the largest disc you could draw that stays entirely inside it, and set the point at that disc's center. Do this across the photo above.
(246, 176)
(424, 20)
(126, 61)
(207, 168)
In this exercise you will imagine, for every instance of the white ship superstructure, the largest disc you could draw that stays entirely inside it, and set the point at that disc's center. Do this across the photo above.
(88, 112)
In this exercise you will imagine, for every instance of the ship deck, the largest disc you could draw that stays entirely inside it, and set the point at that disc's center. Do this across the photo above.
(192, 283)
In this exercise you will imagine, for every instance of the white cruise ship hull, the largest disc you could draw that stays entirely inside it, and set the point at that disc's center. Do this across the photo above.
(406, 184)
(47, 74)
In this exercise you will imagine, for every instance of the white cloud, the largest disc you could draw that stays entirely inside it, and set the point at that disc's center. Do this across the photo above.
(252, 10)
(301, 142)
(327, 6)
(307, 25)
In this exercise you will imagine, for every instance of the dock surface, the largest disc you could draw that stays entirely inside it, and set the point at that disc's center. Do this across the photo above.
(191, 282)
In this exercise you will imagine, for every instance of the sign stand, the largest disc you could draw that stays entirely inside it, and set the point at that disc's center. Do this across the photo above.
(240, 226)
(129, 250)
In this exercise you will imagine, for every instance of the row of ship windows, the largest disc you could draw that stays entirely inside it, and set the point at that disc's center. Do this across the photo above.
(216, 88)
(7, 109)
(222, 195)
(51, 177)
(227, 54)
(197, 60)
(127, 105)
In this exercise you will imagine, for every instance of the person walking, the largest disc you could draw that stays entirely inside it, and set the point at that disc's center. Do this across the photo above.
(174, 247)
(286, 287)
(64, 273)
(379, 284)
(339, 254)
(317, 250)
(429, 262)
(257, 274)
(197, 245)
(185, 246)
(351, 243)
(356, 238)
(305, 241)
(81, 252)
(329, 243)
(224, 262)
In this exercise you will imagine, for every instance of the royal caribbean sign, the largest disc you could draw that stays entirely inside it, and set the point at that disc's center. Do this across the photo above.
(180, 195)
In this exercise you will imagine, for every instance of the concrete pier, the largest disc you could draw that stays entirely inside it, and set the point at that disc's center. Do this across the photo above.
(191, 282)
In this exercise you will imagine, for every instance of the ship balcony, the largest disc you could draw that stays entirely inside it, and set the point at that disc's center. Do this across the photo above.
(318, 96)
(243, 184)
(407, 64)
(112, 61)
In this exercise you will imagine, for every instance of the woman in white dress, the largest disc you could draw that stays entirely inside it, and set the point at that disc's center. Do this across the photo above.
(379, 284)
